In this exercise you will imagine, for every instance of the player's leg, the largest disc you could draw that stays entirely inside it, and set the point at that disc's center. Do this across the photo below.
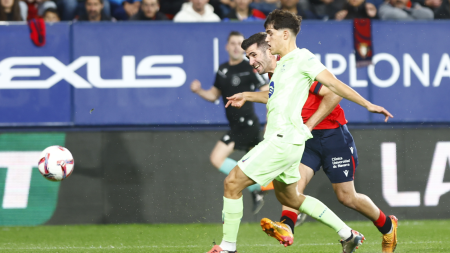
(233, 209)
(340, 165)
(249, 170)
(287, 195)
(219, 159)
(290, 216)
(310, 164)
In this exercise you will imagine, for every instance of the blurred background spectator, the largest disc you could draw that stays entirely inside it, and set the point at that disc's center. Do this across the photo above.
(326, 9)
(357, 9)
(196, 11)
(94, 12)
(171, 7)
(266, 6)
(70, 9)
(51, 15)
(243, 12)
(432, 4)
(149, 11)
(398, 10)
(301, 8)
(443, 12)
(124, 9)
(13, 10)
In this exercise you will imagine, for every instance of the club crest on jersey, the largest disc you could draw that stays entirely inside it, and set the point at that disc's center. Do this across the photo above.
(235, 80)
(271, 88)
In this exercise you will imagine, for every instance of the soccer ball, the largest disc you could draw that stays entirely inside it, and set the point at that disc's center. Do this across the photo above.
(56, 163)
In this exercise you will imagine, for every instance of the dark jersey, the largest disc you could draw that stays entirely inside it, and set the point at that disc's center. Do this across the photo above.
(236, 79)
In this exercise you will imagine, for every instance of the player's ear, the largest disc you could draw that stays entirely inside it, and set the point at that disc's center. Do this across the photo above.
(286, 34)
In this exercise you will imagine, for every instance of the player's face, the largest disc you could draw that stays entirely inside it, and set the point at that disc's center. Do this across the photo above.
(275, 39)
(259, 60)
(234, 47)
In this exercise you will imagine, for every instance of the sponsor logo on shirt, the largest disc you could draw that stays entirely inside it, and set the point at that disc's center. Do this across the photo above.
(271, 88)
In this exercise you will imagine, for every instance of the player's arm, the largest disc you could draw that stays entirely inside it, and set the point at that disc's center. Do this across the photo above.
(341, 89)
(265, 87)
(239, 99)
(329, 101)
(211, 95)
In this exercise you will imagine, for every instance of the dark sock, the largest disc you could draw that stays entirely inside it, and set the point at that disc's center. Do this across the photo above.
(289, 218)
(384, 224)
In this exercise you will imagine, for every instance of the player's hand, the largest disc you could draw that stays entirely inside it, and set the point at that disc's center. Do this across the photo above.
(378, 109)
(196, 86)
(237, 100)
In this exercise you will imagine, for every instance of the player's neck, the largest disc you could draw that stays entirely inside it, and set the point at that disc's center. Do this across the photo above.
(289, 47)
(233, 62)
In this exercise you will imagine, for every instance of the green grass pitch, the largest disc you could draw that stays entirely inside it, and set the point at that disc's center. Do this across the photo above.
(414, 236)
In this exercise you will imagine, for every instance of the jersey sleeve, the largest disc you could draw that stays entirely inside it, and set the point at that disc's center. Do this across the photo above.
(315, 88)
(312, 67)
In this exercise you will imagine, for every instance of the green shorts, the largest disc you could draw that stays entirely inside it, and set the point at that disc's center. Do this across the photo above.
(273, 159)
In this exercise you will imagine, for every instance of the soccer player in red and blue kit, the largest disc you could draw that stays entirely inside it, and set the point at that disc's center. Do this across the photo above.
(332, 148)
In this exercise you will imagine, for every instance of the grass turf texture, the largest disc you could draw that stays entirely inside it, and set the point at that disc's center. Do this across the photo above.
(414, 236)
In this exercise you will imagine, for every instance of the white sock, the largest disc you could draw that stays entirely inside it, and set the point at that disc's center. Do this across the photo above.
(230, 246)
(345, 232)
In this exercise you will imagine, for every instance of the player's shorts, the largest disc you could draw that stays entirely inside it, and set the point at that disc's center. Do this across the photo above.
(334, 150)
(244, 136)
(272, 159)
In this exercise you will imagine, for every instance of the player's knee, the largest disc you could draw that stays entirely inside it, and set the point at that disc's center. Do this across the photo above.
(346, 198)
(216, 160)
(230, 183)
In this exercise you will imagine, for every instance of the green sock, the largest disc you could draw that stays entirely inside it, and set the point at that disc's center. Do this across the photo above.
(233, 210)
(316, 209)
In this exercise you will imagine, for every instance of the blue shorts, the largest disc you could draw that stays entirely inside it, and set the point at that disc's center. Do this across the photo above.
(334, 150)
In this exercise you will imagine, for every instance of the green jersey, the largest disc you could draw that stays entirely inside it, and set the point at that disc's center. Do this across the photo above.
(289, 89)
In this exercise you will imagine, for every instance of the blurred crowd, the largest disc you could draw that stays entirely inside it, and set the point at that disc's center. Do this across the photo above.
(219, 10)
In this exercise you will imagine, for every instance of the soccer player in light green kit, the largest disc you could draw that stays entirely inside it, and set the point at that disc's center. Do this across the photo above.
(278, 156)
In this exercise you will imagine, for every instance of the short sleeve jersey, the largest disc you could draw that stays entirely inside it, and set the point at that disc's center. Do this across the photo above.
(288, 91)
(236, 79)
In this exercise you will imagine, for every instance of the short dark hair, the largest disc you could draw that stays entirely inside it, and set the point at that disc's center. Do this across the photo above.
(258, 38)
(234, 33)
(280, 19)
(52, 10)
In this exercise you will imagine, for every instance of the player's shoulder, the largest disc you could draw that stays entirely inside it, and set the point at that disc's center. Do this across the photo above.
(224, 65)
(305, 54)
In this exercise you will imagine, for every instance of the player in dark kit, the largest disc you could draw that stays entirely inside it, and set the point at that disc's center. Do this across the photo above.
(233, 77)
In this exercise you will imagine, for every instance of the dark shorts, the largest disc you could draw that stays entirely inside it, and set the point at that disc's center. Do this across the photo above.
(334, 150)
(245, 136)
